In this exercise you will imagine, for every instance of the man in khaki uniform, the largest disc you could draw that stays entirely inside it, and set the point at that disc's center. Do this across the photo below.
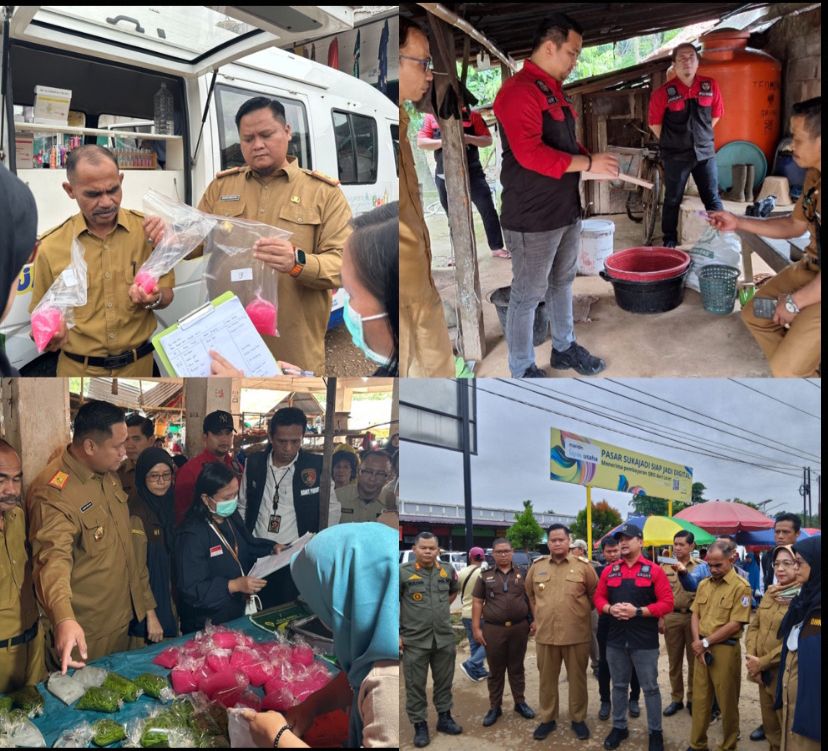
(112, 331)
(361, 501)
(560, 588)
(720, 610)
(140, 436)
(273, 189)
(425, 349)
(794, 351)
(676, 625)
(85, 572)
(21, 643)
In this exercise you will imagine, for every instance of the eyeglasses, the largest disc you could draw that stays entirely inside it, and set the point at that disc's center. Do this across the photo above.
(785, 564)
(164, 477)
(372, 473)
(425, 62)
(502, 552)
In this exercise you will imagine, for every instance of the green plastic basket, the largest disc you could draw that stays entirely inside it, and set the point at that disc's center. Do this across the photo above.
(717, 283)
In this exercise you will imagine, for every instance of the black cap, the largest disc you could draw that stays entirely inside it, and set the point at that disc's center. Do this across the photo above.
(217, 421)
(629, 530)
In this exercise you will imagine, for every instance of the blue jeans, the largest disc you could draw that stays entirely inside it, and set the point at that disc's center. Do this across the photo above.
(477, 653)
(706, 176)
(621, 662)
(543, 269)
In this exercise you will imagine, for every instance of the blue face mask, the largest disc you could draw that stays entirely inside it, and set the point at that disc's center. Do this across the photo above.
(353, 322)
(226, 508)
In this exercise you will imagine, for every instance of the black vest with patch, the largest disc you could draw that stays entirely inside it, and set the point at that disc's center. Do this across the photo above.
(638, 632)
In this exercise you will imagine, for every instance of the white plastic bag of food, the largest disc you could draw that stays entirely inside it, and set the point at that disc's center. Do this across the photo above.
(713, 247)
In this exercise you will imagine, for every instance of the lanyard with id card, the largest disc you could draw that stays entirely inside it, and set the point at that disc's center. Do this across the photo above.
(275, 522)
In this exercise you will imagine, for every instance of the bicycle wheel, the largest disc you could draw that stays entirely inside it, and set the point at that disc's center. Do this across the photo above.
(651, 201)
(635, 209)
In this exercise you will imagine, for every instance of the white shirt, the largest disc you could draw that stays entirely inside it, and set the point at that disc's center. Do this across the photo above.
(283, 478)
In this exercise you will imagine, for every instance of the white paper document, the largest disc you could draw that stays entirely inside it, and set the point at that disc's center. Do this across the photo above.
(226, 329)
(265, 566)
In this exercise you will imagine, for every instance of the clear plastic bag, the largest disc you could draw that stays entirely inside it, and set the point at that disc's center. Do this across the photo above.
(100, 700)
(66, 687)
(124, 687)
(155, 686)
(18, 731)
(29, 700)
(79, 736)
(231, 266)
(185, 228)
(90, 676)
(107, 732)
(57, 306)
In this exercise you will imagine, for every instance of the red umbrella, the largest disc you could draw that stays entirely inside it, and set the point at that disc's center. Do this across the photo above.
(333, 54)
(725, 517)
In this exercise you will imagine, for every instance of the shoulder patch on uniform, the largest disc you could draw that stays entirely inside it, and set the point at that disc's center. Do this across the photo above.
(414, 577)
(323, 177)
(745, 601)
(231, 171)
(59, 480)
(582, 559)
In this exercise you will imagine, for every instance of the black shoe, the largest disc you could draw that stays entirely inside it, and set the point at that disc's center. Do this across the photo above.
(544, 729)
(758, 734)
(669, 244)
(577, 358)
(581, 730)
(656, 741)
(446, 724)
(604, 711)
(491, 716)
(635, 710)
(672, 708)
(421, 734)
(533, 371)
(615, 737)
(524, 710)
(690, 708)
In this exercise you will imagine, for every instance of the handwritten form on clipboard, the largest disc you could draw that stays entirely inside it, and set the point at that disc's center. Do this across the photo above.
(226, 329)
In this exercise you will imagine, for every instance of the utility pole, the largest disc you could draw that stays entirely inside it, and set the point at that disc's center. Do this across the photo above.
(805, 492)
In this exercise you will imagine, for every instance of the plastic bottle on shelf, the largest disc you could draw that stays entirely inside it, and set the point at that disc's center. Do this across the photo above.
(163, 111)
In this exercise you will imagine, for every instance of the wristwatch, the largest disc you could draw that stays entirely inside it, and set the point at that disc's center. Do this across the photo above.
(705, 643)
(299, 262)
(790, 305)
(156, 303)
(638, 612)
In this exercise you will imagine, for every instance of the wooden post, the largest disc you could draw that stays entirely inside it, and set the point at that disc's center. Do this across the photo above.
(461, 226)
(326, 483)
(36, 420)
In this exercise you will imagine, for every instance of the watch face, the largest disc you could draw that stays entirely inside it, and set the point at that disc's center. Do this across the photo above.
(300, 256)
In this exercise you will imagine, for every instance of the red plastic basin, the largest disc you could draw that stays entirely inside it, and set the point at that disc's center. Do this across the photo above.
(647, 264)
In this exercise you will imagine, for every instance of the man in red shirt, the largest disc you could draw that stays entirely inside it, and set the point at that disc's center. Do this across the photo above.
(635, 593)
(218, 441)
(475, 134)
(682, 114)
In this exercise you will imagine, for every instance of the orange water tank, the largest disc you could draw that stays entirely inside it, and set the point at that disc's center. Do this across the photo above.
(750, 82)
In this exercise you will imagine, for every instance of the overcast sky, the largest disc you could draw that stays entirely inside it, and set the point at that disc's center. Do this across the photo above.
(513, 458)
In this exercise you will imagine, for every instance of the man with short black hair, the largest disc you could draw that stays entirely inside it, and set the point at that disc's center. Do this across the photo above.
(362, 501)
(140, 436)
(86, 574)
(473, 668)
(786, 529)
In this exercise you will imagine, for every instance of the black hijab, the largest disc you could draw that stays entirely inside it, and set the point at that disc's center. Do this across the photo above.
(810, 598)
(161, 505)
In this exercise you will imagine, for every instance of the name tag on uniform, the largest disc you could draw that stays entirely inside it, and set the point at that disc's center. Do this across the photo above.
(308, 491)
(229, 198)
(217, 550)
(347, 511)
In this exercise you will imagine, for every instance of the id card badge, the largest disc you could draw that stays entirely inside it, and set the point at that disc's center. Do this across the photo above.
(275, 523)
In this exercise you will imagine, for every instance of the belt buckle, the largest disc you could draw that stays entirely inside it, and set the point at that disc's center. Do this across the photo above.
(508, 623)
(118, 361)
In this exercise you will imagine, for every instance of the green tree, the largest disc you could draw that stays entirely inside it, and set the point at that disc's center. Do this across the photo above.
(525, 534)
(604, 518)
(648, 505)
(698, 493)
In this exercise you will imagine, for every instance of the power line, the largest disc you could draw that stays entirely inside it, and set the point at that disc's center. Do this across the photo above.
(768, 396)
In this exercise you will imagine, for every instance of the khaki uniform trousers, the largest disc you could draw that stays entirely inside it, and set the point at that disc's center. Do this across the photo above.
(22, 664)
(138, 368)
(721, 679)
(505, 652)
(117, 641)
(678, 640)
(425, 348)
(794, 352)
(576, 658)
(792, 741)
(771, 718)
(416, 661)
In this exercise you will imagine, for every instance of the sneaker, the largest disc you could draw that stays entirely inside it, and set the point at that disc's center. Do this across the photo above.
(533, 371)
(615, 737)
(483, 676)
(579, 359)
(467, 673)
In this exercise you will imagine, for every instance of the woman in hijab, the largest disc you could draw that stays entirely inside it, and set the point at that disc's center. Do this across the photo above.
(151, 504)
(799, 686)
(763, 646)
(347, 575)
(18, 234)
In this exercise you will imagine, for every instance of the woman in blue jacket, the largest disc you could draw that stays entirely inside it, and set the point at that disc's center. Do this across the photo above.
(799, 686)
(214, 551)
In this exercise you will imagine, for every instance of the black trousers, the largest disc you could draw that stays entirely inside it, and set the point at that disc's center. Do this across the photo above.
(676, 174)
(482, 198)
(603, 667)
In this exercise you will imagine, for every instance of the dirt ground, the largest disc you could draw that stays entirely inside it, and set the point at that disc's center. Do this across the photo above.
(511, 731)
(342, 357)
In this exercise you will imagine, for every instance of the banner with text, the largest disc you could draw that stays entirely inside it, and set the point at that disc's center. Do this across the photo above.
(582, 461)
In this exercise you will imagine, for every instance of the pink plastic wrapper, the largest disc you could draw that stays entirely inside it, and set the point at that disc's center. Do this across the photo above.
(46, 323)
(301, 656)
(229, 698)
(218, 684)
(263, 315)
(279, 701)
(276, 684)
(168, 658)
(223, 638)
(183, 681)
(147, 281)
(218, 661)
(257, 670)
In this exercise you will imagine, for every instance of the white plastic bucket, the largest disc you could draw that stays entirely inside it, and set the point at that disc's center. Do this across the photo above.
(596, 245)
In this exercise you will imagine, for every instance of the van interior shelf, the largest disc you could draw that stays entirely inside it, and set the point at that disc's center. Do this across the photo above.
(55, 128)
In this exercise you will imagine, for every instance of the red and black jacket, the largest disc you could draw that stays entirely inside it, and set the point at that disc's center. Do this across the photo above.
(473, 124)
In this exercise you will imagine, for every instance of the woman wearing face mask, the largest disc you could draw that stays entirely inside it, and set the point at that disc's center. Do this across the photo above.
(348, 576)
(18, 233)
(151, 505)
(213, 550)
(371, 278)
(799, 687)
(763, 646)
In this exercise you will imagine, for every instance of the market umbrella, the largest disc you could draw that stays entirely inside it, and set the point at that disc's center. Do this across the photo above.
(764, 538)
(725, 517)
(660, 530)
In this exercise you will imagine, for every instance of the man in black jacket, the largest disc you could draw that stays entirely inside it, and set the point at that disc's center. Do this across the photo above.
(279, 494)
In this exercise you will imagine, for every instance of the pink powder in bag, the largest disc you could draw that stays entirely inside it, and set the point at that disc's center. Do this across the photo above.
(301, 656)
(183, 681)
(242, 657)
(224, 639)
(146, 281)
(276, 684)
(263, 315)
(258, 673)
(279, 701)
(46, 322)
(228, 698)
(167, 658)
(220, 683)
(217, 662)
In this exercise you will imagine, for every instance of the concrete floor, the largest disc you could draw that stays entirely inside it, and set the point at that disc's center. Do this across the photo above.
(687, 341)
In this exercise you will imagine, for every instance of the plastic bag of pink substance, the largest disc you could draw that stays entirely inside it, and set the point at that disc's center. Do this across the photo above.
(263, 315)
(279, 701)
(183, 681)
(249, 699)
(222, 638)
(147, 281)
(257, 670)
(218, 661)
(301, 656)
(46, 323)
(168, 658)
(328, 731)
(221, 683)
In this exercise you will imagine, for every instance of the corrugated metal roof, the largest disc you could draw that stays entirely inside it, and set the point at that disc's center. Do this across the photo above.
(129, 392)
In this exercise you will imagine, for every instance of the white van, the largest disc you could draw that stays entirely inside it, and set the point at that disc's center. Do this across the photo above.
(115, 59)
